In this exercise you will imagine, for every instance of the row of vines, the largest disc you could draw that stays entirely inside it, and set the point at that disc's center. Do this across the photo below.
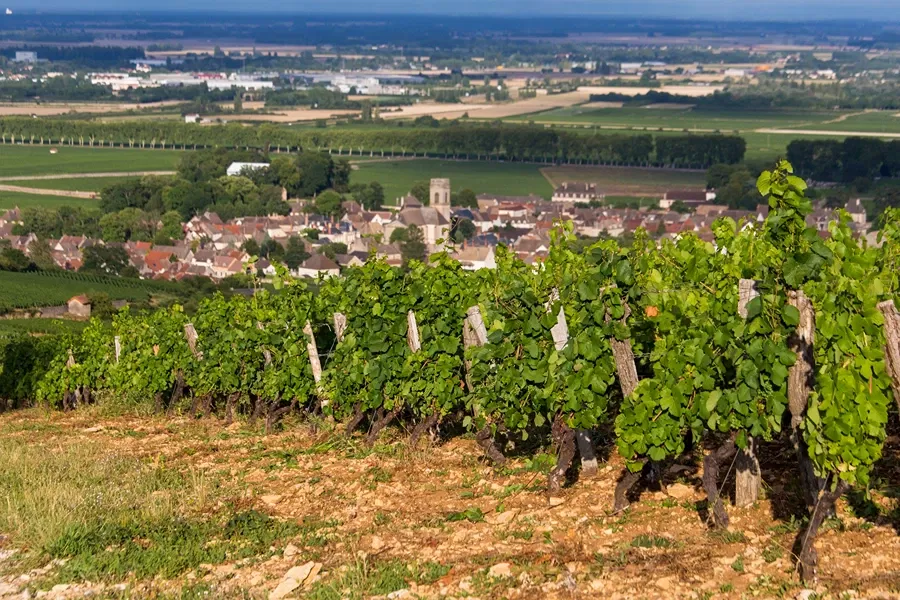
(768, 331)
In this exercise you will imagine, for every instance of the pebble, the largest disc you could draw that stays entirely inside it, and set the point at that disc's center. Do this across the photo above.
(500, 570)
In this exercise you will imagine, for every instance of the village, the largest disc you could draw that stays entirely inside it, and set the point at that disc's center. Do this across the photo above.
(218, 249)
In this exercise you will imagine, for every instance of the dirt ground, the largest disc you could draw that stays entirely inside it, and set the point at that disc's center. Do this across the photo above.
(397, 505)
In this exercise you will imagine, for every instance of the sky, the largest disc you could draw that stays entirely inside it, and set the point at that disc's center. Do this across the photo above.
(710, 9)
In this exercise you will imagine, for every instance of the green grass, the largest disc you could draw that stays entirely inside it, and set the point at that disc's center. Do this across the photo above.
(507, 179)
(76, 184)
(26, 160)
(23, 200)
(870, 122)
(365, 579)
(24, 290)
(618, 182)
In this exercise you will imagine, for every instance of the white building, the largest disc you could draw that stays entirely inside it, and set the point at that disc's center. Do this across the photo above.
(236, 168)
(25, 57)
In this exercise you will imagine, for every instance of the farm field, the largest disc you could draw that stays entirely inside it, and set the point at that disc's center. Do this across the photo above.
(26, 290)
(205, 510)
(75, 184)
(509, 179)
(23, 200)
(39, 326)
(685, 118)
(26, 160)
(868, 122)
(627, 181)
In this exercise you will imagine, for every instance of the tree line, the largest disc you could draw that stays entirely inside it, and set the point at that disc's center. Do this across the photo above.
(478, 141)
(847, 161)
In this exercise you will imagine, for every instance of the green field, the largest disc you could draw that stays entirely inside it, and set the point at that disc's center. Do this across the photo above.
(23, 200)
(75, 184)
(868, 122)
(685, 118)
(24, 160)
(626, 181)
(25, 290)
(508, 179)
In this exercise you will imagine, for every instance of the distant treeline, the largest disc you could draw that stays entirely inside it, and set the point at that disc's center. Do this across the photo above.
(496, 141)
(324, 98)
(847, 161)
(884, 96)
(66, 89)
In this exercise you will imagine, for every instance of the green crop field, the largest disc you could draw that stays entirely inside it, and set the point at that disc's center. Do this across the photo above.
(23, 200)
(25, 160)
(684, 118)
(509, 179)
(76, 184)
(866, 122)
(24, 290)
(625, 181)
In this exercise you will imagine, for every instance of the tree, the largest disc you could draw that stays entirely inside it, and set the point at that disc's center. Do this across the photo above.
(370, 196)
(125, 225)
(101, 305)
(422, 190)
(271, 249)
(680, 207)
(238, 102)
(170, 229)
(399, 235)
(466, 198)
(413, 247)
(316, 172)
(296, 253)
(464, 230)
(332, 249)
(311, 234)
(251, 247)
(13, 260)
(328, 203)
(107, 260)
(41, 255)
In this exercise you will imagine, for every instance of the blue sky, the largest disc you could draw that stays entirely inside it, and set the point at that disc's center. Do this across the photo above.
(712, 9)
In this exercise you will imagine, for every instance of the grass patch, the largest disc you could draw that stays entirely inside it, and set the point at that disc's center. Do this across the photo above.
(24, 200)
(728, 537)
(75, 184)
(106, 550)
(364, 579)
(28, 160)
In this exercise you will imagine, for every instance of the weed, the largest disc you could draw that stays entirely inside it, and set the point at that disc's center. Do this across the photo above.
(726, 588)
(738, 564)
(652, 541)
(728, 537)
(772, 552)
(615, 559)
(472, 514)
(792, 526)
(382, 519)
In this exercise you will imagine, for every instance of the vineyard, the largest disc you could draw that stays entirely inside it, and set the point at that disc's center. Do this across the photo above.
(768, 333)
(53, 288)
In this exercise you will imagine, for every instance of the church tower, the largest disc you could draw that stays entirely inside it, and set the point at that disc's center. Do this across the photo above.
(440, 196)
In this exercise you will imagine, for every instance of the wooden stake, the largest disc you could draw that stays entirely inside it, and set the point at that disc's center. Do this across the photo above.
(118, 345)
(412, 332)
(624, 356)
(340, 326)
(313, 352)
(800, 378)
(477, 323)
(892, 345)
(747, 479)
(191, 334)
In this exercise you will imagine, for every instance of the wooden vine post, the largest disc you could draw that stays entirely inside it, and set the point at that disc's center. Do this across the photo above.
(892, 344)
(747, 474)
(474, 335)
(623, 354)
(313, 352)
(117, 341)
(340, 325)
(190, 333)
(800, 382)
